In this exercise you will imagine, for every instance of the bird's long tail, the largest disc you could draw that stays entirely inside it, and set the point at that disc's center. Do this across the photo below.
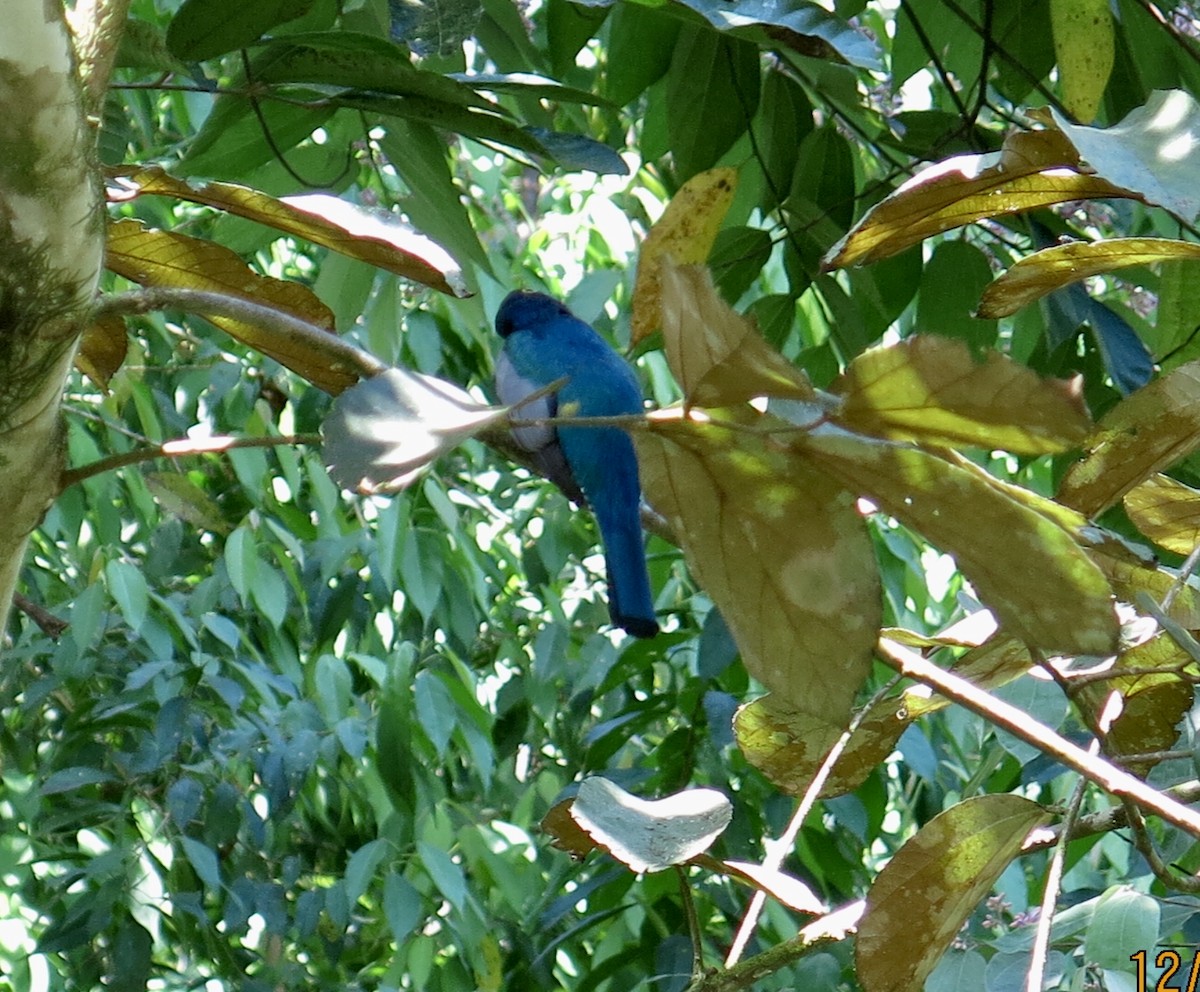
(630, 602)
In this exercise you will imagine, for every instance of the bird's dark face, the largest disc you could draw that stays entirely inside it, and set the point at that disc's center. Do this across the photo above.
(525, 309)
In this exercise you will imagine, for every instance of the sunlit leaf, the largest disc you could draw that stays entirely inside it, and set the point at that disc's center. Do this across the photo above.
(1167, 512)
(931, 390)
(782, 551)
(369, 236)
(1152, 151)
(650, 835)
(785, 743)
(165, 258)
(1143, 434)
(787, 889)
(382, 432)
(938, 877)
(1052, 268)
(1026, 568)
(1085, 48)
(717, 355)
(684, 234)
(102, 349)
(1035, 172)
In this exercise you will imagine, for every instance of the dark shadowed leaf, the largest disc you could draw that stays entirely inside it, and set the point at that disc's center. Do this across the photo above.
(938, 877)
(382, 432)
(203, 29)
(1143, 434)
(781, 549)
(931, 390)
(650, 835)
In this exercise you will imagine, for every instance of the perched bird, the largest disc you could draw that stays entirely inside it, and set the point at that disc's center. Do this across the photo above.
(545, 342)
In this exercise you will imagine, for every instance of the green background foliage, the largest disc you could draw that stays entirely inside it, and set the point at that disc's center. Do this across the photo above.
(292, 739)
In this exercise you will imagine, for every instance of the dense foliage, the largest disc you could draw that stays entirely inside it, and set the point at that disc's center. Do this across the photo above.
(292, 738)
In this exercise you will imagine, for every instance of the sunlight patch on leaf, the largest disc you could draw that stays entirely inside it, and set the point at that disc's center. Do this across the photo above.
(717, 355)
(1085, 48)
(685, 234)
(1143, 434)
(1151, 151)
(650, 834)
(938, 877)
(931, 390)
(780, 548)
(382, 432)
(1034, 276)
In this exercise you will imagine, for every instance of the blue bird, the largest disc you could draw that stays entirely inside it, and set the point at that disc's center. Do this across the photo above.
(545, 342)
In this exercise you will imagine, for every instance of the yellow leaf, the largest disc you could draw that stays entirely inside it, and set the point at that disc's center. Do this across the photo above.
(932, 391)
(165, 258)
(1026, 568)
(102, 349)
(968, 188)
(937, 878)
(1143, 434)
(716, 354)
(780, 548)
(1085, 48)
(1052, 268)
(684, 233)
(1167, 512)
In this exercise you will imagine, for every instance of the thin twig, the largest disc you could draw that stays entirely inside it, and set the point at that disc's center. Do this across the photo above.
(693, 921)
(778, 850)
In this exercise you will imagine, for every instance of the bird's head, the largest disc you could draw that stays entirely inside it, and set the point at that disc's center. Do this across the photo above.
(522, 308)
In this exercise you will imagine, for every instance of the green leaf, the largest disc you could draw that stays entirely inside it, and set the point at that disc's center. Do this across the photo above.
(932, 391)
(435, 709)
(128, 587)
(360, 869)
(445, 873)
(204, 860)
(403, 906)
(1151, 151)
(70, 779)
(938, 877)
(204, 29)
(650, 835)
(951, 283)
(1124, 921)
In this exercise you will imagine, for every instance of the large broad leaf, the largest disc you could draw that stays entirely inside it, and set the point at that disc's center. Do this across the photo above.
(1026, 568)
(684, 234)
(938, 878)
(382, 432)
(1035, 169)
(716, 354)
(650, 835)
(1143, 434)
(204, 29)
(782, 551)
(1052, 268)
(1152, 151)
(165, 258)
(931, 390)
(325, 220)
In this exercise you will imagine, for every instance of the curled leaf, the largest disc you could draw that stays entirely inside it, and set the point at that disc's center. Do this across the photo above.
(383, 431)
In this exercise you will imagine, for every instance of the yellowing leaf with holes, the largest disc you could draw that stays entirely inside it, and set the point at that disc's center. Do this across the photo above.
(371, 236)
(164, 258)
(1052, 268)
(779, 547)
(684, 234)
(1143, 434)
(716, 354)
(1026, 568)
(937, 878)
(1167, 512)
(1039, 170)
(931, 390)
(650, 834)
(1085, 48)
